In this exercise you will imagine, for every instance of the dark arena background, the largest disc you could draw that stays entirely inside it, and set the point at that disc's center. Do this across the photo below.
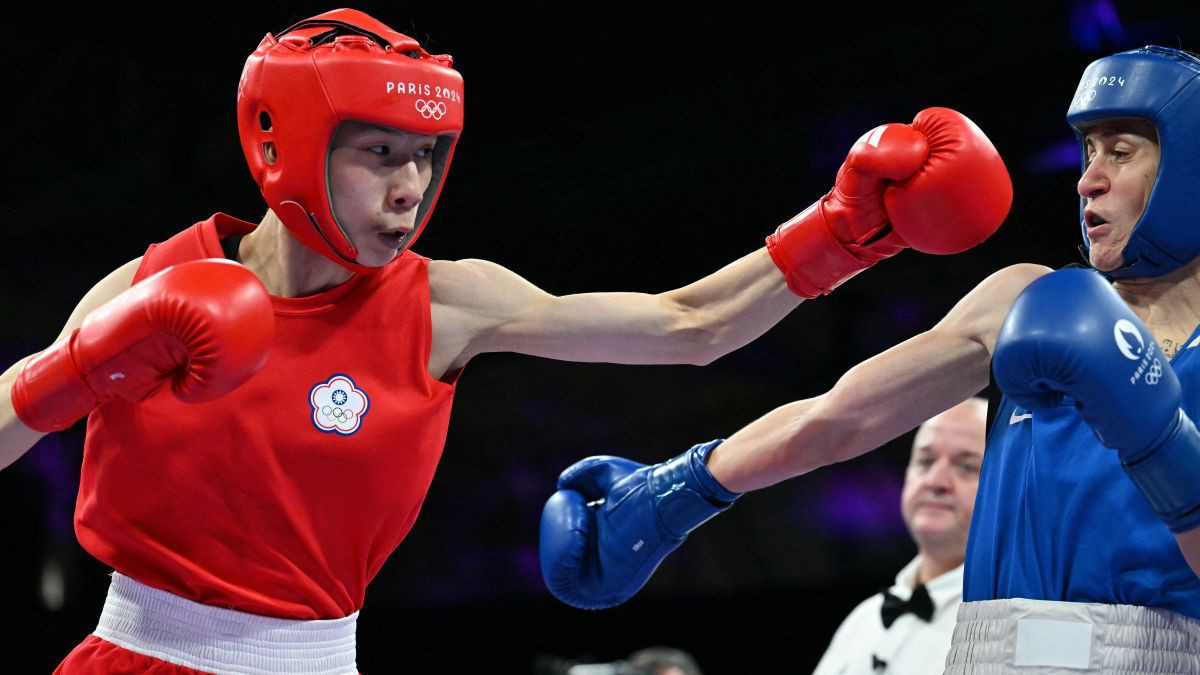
(608, 146)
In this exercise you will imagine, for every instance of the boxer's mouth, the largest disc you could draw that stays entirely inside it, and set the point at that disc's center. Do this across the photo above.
(1093, 219)
(394, 239)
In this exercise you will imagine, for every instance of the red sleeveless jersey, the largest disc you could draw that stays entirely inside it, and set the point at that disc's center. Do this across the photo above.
(284, 497)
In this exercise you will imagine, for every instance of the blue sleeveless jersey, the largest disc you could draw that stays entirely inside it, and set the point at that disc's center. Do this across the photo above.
(1056, 518)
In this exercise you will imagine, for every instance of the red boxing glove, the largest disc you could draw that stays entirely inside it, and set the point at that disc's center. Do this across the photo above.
(937, 185)
(205, 326)
(962, 192)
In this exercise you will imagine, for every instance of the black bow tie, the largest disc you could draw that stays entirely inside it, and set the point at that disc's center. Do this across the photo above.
(919, 603)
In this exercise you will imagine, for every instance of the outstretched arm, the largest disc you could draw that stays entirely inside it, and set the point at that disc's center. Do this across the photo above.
(612, 520)
(937, 185)
(879, 399)
(482, 307)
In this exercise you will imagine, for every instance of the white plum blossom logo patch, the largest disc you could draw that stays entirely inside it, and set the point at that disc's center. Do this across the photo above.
(338, 405)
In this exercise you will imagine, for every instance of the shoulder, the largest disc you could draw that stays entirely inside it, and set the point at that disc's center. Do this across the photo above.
(450, 275)
(480, 284)
(996, 293)
(1015, 278)
(1006, 284)
(981, 312)
(117, 282)
(457, 282)
(469, 300)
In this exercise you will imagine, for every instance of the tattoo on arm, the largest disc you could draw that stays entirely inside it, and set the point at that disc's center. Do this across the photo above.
(1169, 348)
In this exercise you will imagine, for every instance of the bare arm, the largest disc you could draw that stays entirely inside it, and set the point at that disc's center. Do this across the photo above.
(15, 437)
(482, 307)
(880, 398)
(1189, 544)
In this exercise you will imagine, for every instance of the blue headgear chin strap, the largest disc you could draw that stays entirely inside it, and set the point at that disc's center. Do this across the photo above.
(1161, 85)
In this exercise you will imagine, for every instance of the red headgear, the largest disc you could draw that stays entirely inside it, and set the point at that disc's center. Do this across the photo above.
(297, 88)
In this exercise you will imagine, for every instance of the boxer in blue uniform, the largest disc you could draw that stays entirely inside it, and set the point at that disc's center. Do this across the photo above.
(1085, 546)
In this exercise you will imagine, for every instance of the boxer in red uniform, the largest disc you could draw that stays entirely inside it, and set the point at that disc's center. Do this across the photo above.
(245, 522)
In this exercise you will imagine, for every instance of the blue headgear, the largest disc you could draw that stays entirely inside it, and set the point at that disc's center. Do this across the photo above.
(1161, 85)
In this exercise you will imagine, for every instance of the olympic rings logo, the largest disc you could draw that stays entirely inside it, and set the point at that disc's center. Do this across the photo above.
(430, 109)
(337, 415)
(1155, 373)
(338, 405)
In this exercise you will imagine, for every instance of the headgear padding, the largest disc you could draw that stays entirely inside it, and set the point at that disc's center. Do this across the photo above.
(297, 87)
(1161, 85)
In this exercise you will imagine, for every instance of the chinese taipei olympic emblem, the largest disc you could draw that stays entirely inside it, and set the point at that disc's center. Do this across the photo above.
(338, 405)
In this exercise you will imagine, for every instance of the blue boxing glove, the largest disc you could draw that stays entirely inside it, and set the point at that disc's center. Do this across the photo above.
(613, 521)
(1069, 333)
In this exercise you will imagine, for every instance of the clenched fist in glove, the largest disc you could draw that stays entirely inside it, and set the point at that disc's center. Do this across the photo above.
(936, 185)
(204, 327)
(613, 521)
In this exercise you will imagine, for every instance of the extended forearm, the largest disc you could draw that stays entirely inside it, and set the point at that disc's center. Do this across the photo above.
(873, 403)
(734, 305)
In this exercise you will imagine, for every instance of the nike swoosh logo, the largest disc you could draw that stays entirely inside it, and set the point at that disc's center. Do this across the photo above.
(1017, 418)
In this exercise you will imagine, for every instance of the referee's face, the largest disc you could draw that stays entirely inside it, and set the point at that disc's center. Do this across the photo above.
(942, 477)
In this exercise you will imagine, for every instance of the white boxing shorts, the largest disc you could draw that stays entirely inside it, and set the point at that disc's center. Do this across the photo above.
(1041, 637)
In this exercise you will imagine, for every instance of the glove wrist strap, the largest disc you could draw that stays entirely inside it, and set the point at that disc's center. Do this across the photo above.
(812, 260)
(1168, 475)
(685, 492)
(49, 394)
(709, 487)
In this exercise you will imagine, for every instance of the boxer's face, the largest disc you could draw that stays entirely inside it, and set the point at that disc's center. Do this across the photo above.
(1122, 164)
(942, 478)
(377, 178)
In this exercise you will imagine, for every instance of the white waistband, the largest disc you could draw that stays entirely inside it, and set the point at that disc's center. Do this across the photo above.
(217, 640)
(994, 637)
